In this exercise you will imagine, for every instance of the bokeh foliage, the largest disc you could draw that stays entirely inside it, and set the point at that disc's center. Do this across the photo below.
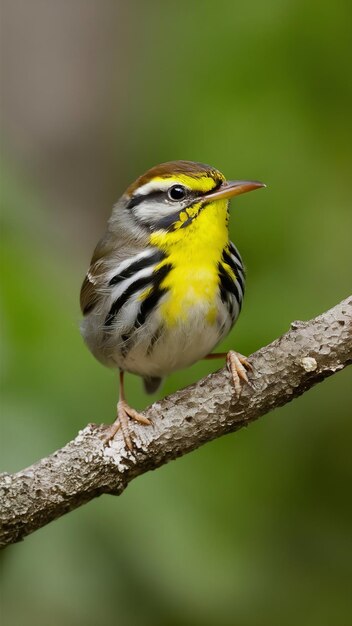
(253, 529)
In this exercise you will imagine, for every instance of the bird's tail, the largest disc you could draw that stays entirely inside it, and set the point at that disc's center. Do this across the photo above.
(152, 383)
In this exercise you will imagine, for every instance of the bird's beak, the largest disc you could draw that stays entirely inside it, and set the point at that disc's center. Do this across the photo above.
(232, 188)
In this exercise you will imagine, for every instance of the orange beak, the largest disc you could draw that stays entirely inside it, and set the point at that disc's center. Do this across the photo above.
(232, 188)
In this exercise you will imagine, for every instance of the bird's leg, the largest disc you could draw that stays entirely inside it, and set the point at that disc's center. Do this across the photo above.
(237, 364)
(124, 414)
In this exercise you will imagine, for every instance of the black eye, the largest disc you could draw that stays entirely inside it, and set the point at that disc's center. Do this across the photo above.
(177, 192)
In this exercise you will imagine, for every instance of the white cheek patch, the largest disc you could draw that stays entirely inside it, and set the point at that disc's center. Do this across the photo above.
(152, 211)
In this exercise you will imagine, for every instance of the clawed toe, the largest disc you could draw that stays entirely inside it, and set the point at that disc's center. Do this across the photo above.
(124, 414)
(238, 365)
(138, 417)
(110, 431)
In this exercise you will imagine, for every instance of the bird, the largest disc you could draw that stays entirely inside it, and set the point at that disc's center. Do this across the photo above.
(165, 283)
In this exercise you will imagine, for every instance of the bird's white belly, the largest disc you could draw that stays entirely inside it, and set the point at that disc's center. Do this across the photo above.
(177, 346)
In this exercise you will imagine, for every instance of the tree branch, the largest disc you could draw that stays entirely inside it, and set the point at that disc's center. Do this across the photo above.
(86, 468)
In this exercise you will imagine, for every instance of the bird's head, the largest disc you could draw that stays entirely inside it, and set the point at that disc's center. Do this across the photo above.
(171, 195)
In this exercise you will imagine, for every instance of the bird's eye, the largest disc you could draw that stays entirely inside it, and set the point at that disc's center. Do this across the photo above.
(177, 192)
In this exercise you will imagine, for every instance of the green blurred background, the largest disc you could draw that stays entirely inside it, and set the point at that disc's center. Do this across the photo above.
(253, 529)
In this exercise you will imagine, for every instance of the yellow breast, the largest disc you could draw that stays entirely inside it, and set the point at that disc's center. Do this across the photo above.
(194, 253)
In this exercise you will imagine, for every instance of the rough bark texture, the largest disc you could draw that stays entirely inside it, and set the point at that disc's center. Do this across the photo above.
(86, 468)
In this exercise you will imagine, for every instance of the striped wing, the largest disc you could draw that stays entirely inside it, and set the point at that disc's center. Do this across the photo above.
(136, 277)
(90, 290)
(151, 282)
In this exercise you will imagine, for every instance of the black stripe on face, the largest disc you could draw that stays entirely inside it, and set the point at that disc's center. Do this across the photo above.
(151, 301)
(227, 285)
(167, 222)
(126, 295)
(146, 261)
(137, 199)
(162, 193)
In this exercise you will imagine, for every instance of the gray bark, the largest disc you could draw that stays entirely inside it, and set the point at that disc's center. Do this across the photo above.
(86, 467)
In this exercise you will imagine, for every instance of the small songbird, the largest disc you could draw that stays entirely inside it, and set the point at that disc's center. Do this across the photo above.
(165, 284)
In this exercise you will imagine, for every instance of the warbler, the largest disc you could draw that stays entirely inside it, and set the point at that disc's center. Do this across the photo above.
(165, 284)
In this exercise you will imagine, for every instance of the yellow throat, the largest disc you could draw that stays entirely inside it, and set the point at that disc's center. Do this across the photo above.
(194, 253)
